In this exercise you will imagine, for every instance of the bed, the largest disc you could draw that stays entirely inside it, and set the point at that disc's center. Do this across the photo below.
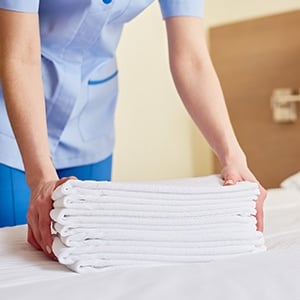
(28, 274)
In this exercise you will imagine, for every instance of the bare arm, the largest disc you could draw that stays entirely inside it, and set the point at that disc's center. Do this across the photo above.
(21, 79)
(20, 58)
(201, 93)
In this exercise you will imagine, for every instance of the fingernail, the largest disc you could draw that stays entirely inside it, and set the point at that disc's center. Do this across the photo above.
(48, 249)
(229, 181)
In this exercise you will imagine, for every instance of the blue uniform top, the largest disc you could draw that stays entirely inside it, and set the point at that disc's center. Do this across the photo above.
(78, 41)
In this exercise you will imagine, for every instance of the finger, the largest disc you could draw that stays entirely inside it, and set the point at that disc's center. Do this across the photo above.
(260, 219)
(34, 236)
(230, 176)
(259, 208)
(45, 229)
(230, 179)
(31, 239)
(64, 179)
(47, 239)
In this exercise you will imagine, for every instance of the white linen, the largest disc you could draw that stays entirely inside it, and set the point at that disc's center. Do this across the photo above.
(202, 185)
(27, 274)
(83, 204)
(292, 182)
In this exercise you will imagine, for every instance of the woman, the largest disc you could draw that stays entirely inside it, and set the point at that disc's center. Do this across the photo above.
(59, 86)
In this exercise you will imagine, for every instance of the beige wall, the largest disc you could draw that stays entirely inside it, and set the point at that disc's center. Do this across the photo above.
(155, 137)
(221, 12)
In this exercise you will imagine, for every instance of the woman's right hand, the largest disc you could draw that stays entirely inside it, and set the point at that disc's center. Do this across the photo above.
(38, 216)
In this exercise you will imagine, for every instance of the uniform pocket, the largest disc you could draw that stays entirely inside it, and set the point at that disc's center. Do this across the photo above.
(96, 120)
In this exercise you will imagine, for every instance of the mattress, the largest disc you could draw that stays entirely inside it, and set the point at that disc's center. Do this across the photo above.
(28, 274)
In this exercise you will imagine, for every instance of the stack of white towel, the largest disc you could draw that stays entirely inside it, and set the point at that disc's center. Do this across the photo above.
(114, 224)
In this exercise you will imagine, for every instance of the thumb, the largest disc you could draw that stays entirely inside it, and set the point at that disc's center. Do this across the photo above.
(63, 180)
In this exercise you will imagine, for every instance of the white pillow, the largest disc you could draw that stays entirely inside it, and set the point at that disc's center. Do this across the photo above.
(292, 182)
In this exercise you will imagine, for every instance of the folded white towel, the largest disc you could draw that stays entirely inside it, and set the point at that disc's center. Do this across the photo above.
(210, 185)
(102, 224)
(63, 231)
(98, 202)
(202, 236)
(69, 255)
(92, 221)
(83, 240)
(69, 216)
(106, 255)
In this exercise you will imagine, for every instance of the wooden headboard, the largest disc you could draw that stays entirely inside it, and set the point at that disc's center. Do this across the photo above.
(252, 58)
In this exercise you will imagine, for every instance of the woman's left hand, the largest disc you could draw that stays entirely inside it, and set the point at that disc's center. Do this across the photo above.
(38, 216)
(232, 174)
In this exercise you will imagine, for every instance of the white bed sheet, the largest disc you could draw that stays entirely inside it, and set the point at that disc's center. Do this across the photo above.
(275, 274)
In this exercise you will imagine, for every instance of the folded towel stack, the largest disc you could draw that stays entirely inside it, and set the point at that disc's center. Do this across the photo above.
(114, 224)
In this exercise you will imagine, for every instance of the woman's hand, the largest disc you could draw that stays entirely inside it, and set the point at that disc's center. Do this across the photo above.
(39, 222)
(234, 173)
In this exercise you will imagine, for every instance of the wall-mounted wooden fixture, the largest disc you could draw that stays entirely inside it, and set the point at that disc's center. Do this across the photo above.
(283, 104)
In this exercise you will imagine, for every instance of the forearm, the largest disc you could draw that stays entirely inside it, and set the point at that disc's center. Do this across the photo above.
(199, 87)
(201, 93)
(21, 80)
(23, 92)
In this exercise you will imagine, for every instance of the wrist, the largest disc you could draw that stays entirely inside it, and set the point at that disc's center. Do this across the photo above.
(40, 172)
(236, 156)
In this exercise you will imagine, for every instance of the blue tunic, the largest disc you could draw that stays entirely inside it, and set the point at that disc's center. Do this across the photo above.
(78, 41)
